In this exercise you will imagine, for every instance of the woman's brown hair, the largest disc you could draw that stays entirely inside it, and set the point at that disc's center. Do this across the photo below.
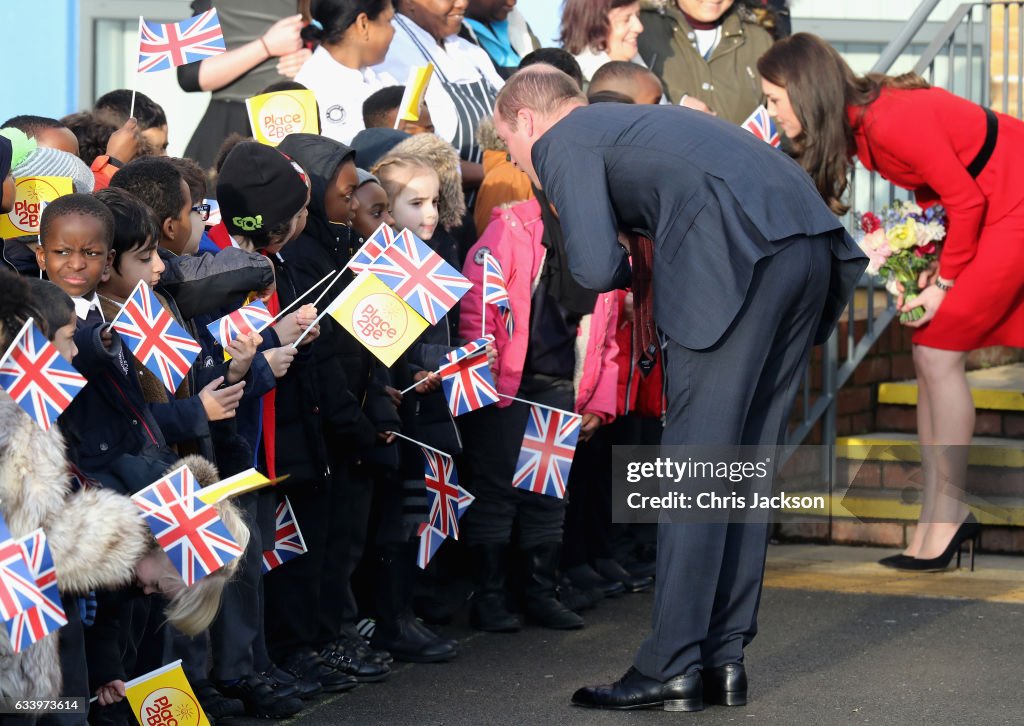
(585, 24)
(821, 87)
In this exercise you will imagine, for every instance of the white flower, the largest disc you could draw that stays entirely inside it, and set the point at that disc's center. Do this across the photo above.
(936, 232)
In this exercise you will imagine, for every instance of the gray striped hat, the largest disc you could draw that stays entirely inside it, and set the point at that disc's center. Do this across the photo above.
(45, 161)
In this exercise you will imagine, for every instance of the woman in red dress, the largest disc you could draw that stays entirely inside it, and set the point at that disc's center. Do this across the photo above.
(947, 150)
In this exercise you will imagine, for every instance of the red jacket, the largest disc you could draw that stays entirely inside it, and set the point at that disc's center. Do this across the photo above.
(514, 238)
(924, 140)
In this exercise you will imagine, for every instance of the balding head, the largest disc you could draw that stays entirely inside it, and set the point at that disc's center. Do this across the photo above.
(541, 88)
(531, 102)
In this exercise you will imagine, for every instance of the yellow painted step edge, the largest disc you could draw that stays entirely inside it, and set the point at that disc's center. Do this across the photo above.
(884, 508)
(990, 399)
(871, 449)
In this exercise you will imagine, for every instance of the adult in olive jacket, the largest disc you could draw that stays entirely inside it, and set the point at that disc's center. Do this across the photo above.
(677, 34)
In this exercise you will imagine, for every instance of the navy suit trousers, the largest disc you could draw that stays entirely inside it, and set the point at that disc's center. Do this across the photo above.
(739, 391)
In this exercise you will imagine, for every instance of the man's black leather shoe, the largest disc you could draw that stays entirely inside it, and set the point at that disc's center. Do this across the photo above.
(635, 690)
(726, 685)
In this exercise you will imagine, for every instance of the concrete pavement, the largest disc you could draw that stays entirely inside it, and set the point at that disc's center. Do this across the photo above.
(842, 641)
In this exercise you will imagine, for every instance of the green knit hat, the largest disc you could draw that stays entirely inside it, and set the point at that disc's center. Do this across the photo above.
(21, 145)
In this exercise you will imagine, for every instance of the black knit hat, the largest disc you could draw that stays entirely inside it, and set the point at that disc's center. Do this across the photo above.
(258, 188)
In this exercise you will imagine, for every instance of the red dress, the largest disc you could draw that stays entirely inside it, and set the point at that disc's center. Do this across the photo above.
(924, 140)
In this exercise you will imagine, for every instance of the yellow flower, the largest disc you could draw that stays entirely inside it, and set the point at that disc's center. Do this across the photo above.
(902, 236)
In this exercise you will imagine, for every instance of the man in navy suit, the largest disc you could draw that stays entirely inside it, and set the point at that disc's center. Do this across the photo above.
(750, 268)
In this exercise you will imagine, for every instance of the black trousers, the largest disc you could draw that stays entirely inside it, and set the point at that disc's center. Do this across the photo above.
(739, 391)
(350, 502)
(310, 597)
(239, 623)
(493, 437)
(588, 518)
(292, 591)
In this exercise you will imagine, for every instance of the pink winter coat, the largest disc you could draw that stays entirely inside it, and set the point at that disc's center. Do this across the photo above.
(513, 237)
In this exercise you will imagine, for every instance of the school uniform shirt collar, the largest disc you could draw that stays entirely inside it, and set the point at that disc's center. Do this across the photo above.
(85, 304)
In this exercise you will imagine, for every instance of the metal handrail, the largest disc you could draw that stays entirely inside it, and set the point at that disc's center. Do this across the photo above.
(905, 37)
(948, 30)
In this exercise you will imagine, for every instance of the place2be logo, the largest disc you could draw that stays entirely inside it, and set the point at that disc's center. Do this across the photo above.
(380, 320)
(170, 707)
(33, 194)
(281, 116)
(273, 116)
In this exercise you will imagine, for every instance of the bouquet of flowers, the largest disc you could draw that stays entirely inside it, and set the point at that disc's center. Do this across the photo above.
(900, 244)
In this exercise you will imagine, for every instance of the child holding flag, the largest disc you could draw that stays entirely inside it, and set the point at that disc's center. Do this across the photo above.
(256, 182)
(354, 411)
(110, 431)
(553, 357)
(95, 536)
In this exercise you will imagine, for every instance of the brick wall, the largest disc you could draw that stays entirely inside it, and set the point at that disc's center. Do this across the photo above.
(890, 359)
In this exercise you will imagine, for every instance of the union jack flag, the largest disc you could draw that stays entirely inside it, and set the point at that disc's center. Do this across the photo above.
(420, 276)
(466, 378)
(430, 541)
(179, 484)
(34, 624)
(548, 447)
(191, 532)
(371, 249)
(37, 377)
(155, 338)
(496, 292)
(165, 46)
(288, 542)
(446, 498)
(249, 319)
(18, 589)
(760, 124)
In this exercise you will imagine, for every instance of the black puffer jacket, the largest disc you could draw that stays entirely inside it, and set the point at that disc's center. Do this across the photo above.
(301, 450)
(349, 395)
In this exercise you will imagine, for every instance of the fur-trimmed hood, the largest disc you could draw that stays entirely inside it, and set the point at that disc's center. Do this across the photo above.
(95, 536)
(487, 137)
(442, 157)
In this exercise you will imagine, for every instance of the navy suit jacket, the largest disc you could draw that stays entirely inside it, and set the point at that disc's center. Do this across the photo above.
(712, 197)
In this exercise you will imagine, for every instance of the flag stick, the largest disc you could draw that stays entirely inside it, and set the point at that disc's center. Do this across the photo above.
(482, 350)
(14, 341)
(330, 285)
(418, 443)
(414, 385)
(294, 302)
(322, 313)
(135, 76)
(534, 403)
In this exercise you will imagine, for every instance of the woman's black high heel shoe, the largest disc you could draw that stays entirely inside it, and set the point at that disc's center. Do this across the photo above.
(969, 532)
(893, 560)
